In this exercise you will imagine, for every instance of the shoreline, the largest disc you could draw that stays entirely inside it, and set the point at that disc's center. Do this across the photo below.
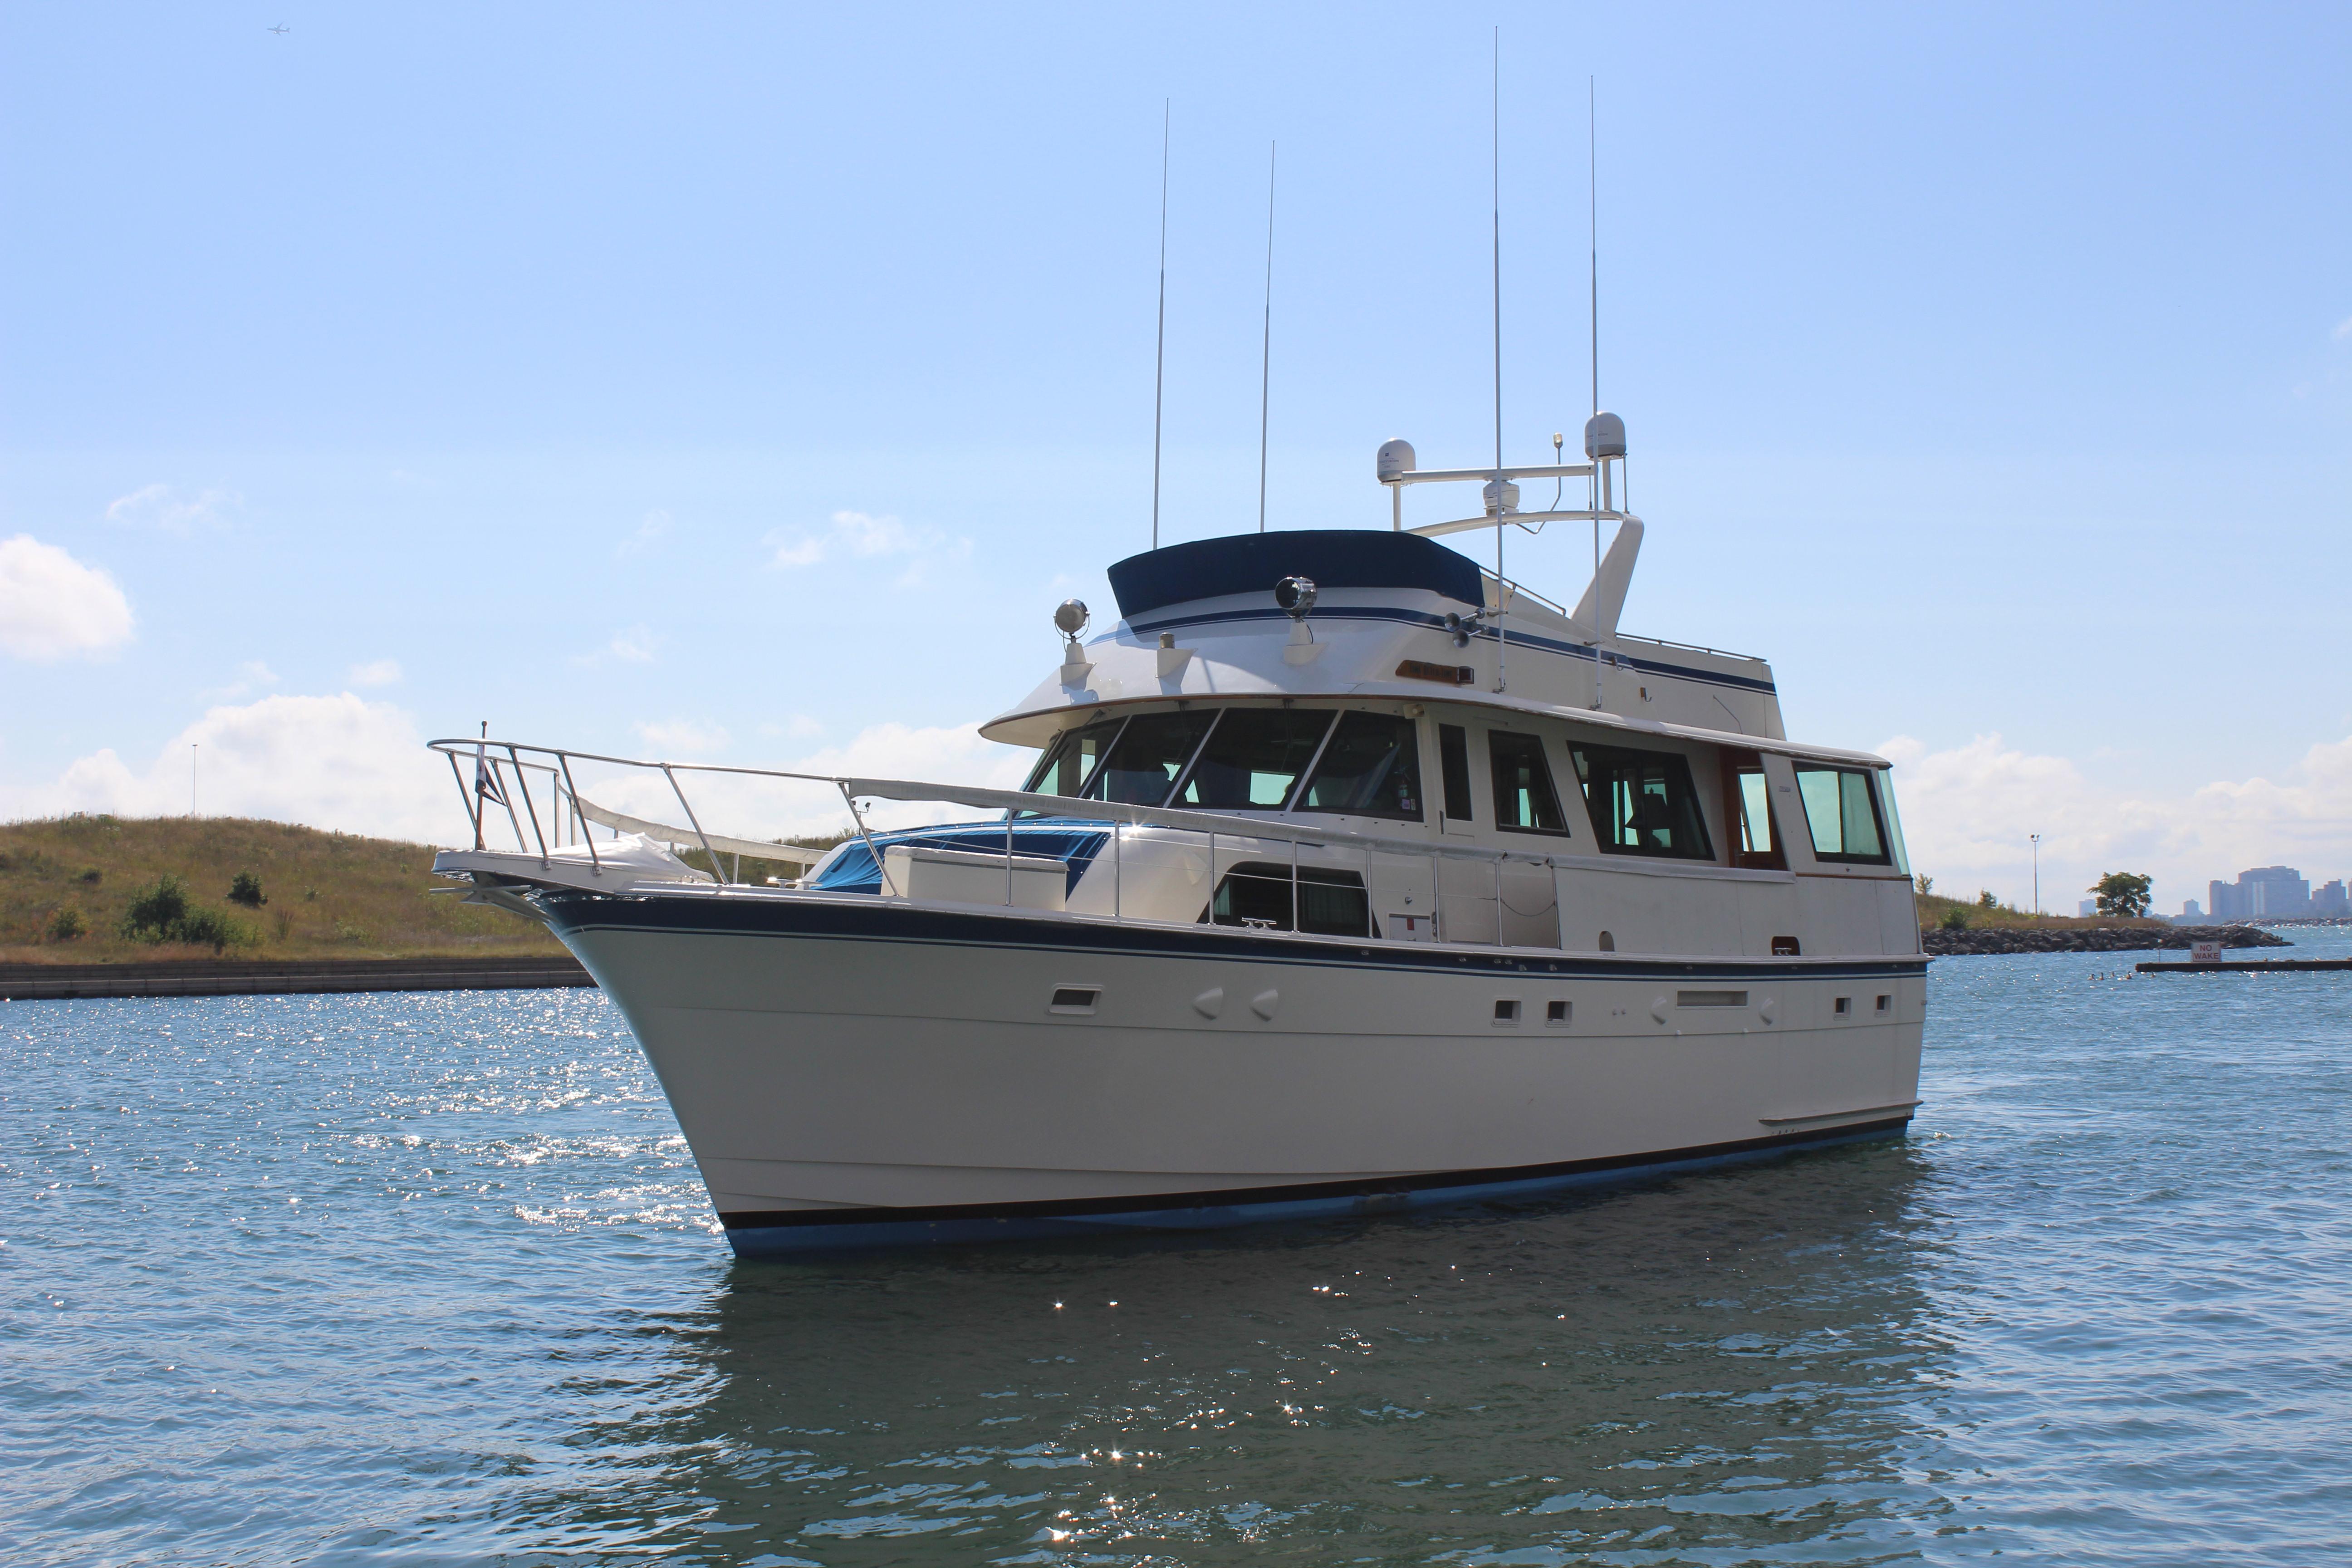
(286, 977)
(1998, 941)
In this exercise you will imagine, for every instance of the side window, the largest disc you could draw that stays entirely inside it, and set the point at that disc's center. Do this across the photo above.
(1842, 815)
(1261, 893)
(1642, 803)
(1747, 813)
(1071, 757)
(1147, 757)
(1253, 758)
(1525, 799)
(1454, 768)
(1371, 768)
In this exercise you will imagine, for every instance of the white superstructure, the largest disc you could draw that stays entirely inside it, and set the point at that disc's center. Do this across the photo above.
(1351, 875)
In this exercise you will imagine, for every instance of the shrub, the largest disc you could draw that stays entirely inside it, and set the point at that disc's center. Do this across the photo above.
(66, 924)
(1956, 919)
(1985, 900)
(246, 890)
(90, 874)
(160, 913)
(156, 909)
(210, 928)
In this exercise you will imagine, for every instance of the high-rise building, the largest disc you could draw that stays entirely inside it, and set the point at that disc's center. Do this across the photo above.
(2190, 913)
(2332, 899)
(2266, 892)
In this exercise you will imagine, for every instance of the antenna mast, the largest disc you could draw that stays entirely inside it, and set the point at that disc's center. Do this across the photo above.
(1159, 353)
(1502, 636)
(1265, 350)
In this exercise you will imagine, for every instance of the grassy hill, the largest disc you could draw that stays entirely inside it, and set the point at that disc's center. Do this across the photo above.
(325, 895)
(1935, 909)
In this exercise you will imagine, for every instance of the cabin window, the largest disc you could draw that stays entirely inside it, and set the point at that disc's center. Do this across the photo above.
(1525, 800)
(1642, 803)
(1841, 814)
(1253, 758)
(1453, 769)
(1747, 813)
(1258, 893)
(1070, 759)
(1371, 768)
(1148, 756)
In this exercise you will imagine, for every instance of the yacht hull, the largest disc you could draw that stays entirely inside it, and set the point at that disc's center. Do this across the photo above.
(853, 1071)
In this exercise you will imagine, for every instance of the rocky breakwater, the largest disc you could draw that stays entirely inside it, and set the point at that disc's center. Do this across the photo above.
(1941, 944)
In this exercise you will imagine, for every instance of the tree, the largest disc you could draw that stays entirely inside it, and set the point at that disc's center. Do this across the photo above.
(1985, 900)
(246, 890)
(2122, 893)
(1926, 885)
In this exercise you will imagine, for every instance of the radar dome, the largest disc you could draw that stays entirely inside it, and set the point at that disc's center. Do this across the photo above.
(1396, 457)
(1604, 436)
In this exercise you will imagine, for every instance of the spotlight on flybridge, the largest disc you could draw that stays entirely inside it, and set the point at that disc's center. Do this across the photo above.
(1396, 457)
(1604, 436)
(1295, 596)
(1071, 617)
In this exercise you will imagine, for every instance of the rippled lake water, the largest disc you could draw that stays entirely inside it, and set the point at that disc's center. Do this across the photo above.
(429, 1279)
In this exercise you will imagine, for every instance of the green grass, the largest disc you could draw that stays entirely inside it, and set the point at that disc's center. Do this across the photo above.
(1934, 908)
(328, 894)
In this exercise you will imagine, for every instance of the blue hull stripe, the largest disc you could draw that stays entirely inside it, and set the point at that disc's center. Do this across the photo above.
(768, 1232)
(1422, 619)
(853, 918)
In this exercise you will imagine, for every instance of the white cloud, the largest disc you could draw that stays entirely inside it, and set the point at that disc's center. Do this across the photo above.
(631, 645)
(52, 606)
(2343, 329)
(161, 505)
(650, 532)
(376, 672)
(684, 738)
(339, 762)
(250, 676)
(1966, 813)
(857, 535)
(796, 727)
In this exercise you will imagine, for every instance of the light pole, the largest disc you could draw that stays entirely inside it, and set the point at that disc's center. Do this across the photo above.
(2037, 874)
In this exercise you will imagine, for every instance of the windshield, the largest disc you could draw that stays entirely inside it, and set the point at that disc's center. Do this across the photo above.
(1146, 758)
(1253, 758)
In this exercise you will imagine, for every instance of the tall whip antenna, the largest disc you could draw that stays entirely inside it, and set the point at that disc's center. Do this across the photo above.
(1592, 189)
(1159, 354)
(1502, 637)
(1266, 351)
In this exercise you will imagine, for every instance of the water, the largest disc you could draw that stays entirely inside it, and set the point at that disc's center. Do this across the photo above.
(429, 1279)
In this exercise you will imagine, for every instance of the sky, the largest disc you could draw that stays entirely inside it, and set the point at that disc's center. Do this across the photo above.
(749, 384)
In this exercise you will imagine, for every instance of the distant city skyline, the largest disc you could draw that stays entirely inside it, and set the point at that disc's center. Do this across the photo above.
(2276, 892)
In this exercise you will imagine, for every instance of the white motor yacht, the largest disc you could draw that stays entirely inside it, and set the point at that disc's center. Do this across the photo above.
(1351, 876)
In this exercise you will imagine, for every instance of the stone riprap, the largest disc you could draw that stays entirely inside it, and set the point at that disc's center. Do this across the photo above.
(1942, 943)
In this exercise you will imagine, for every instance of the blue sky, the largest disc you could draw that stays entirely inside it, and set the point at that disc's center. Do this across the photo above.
(745, 379)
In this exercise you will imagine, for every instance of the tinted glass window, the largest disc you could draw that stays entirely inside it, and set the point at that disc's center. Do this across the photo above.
(1064, 768)
(1258, 893)
(1253, 758)
(1453, 764)
(1524, 797)
(1840, 813)
(1146, 758)
(1755, 815)
(1642, 803)
(1372, 768)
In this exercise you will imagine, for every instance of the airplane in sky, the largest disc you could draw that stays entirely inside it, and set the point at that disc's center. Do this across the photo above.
(281, 28)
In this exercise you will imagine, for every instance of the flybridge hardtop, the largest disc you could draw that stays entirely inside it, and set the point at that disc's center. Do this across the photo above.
(1351, 874)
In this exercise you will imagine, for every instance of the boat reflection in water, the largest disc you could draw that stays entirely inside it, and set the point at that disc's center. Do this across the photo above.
(1352, 877)
(1708, 1367)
